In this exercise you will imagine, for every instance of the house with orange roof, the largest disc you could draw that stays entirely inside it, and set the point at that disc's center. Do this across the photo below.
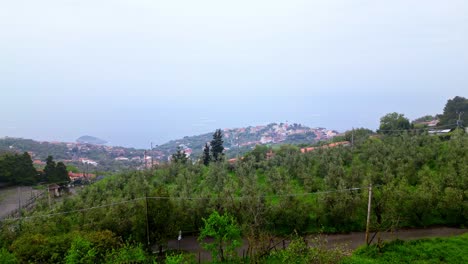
(331, 145)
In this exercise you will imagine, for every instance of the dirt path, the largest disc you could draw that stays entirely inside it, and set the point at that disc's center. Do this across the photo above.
(349, 241)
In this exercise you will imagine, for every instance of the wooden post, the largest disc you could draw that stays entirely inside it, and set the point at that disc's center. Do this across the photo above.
(147, 220)
(19, 201)
(368, 213)
(48, 194)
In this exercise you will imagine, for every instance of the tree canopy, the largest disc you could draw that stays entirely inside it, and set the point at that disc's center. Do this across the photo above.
(455, 107)
(226, 236)
(55, 172)
(17, 169)
(217, 147)
(393, 123)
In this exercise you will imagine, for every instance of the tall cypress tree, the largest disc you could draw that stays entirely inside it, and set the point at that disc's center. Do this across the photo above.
(61, 172)
(49, 169)
(217, 146)
(27, 173)
(206, 155)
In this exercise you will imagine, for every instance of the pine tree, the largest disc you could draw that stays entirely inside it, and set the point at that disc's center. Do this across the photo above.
(179, 156)
(217, 146)
(206, 155)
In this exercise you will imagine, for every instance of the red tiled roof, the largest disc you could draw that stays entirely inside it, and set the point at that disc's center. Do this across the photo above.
(331, 145)
(74, 176)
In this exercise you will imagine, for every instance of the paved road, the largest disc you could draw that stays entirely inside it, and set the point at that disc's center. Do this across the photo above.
(10, 198)
(348, 241)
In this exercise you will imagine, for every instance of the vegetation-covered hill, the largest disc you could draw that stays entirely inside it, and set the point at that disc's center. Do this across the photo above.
(419, 180)
(90, 140)
(76, 154)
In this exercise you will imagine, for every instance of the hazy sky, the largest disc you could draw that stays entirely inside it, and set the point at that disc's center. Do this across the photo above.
(139, 71)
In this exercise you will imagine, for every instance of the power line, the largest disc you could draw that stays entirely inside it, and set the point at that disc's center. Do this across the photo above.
(183, 198)
(72, 211)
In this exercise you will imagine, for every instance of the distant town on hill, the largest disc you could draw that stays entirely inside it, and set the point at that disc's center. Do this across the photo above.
(89, 153)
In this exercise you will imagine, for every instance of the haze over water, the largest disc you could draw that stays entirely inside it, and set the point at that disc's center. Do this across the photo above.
(135, 72)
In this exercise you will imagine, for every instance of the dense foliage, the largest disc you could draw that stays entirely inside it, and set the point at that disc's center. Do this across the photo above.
(394, 123)
(454, 109)
(55, 172)
(17, 169)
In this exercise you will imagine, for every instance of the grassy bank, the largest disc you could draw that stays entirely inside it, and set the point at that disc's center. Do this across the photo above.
(434, 250)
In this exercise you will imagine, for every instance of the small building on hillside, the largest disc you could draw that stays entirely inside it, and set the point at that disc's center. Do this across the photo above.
(331, 145)
(54, 190)
(439, 132)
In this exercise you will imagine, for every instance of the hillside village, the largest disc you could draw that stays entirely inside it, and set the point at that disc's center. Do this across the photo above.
(242, 140)
(93, 157)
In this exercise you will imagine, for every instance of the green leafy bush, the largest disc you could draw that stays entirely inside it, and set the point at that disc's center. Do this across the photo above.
(225, 233)
(127, 254)
(6, 257)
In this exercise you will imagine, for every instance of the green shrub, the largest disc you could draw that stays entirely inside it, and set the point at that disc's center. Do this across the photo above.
(434, 250)
(180, 258)
(127, 254)
(226, 236)
(39, 248)
(81, 252)
(6, 257)
(299, 251)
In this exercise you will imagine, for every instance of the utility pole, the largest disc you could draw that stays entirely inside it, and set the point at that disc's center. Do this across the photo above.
(459, 123)
(368, 213)
(145, 160)
(352, 139)
(19, 201)
(48, 195)
(152, 164)
(147, 220)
